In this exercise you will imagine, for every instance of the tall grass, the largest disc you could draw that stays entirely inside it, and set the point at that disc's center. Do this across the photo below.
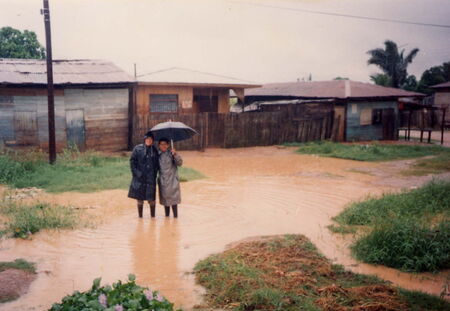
(24, 220)
(409, 230)
(73, 171)
(368, 152)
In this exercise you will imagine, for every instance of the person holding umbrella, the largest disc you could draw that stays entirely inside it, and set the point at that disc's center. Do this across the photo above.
(168, 179)
(144, 164)
(169, 160)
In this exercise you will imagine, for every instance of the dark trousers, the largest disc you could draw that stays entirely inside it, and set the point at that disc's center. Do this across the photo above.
(140, 206)
(174, 210)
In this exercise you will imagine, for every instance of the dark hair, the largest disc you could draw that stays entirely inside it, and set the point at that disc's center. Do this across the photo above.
(164, 140)
(149, 135)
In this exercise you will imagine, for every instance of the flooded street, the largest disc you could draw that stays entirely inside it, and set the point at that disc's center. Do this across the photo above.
(248, 192)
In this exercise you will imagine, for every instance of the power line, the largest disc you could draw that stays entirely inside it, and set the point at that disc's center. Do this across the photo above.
(378, 19)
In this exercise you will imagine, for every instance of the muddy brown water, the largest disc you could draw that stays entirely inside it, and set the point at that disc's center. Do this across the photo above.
(249, 192)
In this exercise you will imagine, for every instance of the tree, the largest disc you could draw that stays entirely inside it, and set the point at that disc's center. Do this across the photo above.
(391, 62)
(15, 44)
(341, 78)
(432, 76)
(381, 79)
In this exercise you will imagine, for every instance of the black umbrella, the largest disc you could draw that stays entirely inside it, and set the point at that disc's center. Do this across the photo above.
(175, 131)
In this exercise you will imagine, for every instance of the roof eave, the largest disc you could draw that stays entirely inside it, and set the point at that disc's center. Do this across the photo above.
(223, 85)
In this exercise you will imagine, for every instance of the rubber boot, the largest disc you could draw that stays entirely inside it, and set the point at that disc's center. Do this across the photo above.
(152, 210)
(175, 211)
(140, 210)
(167, 210)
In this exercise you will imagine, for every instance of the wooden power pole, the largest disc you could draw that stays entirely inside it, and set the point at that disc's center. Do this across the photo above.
(50, 93)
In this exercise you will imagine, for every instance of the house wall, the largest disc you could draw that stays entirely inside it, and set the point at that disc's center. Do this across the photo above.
(442, 99)
(357, 132)
(186, 101)
(185, 97)
(104, 113)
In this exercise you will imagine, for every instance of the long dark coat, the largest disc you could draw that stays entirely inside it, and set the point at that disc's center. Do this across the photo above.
(168, 180)
(144, 165)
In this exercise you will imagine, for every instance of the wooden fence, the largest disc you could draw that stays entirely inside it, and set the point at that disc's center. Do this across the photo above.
(245, 129)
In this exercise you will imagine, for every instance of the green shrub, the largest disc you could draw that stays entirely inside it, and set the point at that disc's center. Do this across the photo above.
(429, 200)
(407, 245)
(120, 296)
(409, 230)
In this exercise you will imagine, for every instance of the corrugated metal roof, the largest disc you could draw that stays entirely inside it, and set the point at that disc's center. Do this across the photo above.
(182, 76)
(34, 71)
(445, 84)
(329, 89)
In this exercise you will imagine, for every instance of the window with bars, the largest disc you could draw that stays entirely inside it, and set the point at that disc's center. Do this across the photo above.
(163, 102)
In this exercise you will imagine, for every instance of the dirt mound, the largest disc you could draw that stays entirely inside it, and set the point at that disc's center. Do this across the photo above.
(291, 265)
(14, 283)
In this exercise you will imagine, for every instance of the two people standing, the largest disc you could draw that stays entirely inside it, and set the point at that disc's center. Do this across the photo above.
(150, 165)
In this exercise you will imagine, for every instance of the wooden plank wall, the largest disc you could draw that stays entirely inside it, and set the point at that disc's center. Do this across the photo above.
(24, 121)
(106, 116)
(244, 130)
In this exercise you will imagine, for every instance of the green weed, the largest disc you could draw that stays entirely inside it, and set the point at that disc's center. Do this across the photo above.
(19, 263)
(24, 220)
(73, 171)
(368, 152)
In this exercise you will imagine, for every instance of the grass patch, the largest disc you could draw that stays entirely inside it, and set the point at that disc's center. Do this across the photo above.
(436, 165)
(73, 171)
(409, 230)
(20, 264)
(25, 220)
(288, 273)
(368, 152)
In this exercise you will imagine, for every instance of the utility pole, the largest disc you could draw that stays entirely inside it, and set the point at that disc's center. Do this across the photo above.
(135, 71)
(50, 93)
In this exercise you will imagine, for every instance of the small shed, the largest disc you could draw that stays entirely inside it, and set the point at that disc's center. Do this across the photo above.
(92, 100)
(179, 90)
(363, 111)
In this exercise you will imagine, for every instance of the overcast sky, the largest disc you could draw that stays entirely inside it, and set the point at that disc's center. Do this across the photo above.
(255, 40)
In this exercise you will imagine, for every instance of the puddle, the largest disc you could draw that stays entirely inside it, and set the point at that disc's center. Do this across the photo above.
(248, 192)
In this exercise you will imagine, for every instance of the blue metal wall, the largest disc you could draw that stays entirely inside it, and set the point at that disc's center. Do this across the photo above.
(357, 132)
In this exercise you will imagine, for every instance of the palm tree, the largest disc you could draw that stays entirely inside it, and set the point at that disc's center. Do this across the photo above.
(391, 62)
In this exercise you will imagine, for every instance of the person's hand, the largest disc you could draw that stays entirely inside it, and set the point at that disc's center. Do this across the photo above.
(173, 151)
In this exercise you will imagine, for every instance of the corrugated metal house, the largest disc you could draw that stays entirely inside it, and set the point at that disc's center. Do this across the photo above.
(92, 100)
(363, 111)
(179, 90)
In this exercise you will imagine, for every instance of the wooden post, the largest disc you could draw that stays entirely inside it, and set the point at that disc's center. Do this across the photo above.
(409, 125)
(50, 89)
(443, 125)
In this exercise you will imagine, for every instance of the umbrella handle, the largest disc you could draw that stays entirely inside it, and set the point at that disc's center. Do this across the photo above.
(171, 143)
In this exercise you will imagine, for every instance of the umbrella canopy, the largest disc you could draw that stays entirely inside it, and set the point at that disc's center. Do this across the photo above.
(175, 131)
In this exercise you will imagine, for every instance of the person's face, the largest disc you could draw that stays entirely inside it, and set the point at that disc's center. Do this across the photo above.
(148, 141)
(163, 146)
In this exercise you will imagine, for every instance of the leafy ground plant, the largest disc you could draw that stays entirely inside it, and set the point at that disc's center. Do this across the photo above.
(288, 273)
(74, 171)
(408, 230)
(121, 296)
(21, 220)
(368, 152)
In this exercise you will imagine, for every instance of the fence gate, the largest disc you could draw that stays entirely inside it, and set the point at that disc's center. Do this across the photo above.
(75, 128)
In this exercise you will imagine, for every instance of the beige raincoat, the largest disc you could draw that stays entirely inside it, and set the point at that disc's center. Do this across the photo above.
(168, 180)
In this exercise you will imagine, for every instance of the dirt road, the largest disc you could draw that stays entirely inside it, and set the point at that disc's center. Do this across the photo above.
(248, 192)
